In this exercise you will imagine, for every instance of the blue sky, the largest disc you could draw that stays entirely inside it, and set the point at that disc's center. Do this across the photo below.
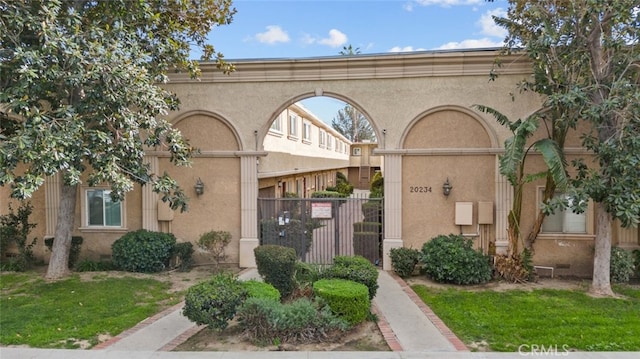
(263, 29)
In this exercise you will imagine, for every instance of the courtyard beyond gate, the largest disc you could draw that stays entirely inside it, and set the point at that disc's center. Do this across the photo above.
(321, 228)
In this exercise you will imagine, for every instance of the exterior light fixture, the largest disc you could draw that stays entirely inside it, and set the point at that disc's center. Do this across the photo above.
(446, 188)
(199, 187)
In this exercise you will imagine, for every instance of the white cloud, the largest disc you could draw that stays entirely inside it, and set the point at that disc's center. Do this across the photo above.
(405, 49)
(336, 39)
(471, 44)
(273, 35)
(489, 27)
(445, 3)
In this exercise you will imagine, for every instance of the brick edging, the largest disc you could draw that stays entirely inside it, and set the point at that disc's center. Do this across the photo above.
(387, 333)
(451, 337)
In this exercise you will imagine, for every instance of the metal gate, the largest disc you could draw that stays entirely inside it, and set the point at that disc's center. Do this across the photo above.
(321, 228)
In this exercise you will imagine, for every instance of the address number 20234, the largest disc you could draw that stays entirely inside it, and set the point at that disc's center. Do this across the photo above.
(419, 189)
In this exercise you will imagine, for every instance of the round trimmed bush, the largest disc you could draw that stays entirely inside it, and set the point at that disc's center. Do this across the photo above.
(143, 251)
(404, 260)
(354, 268)
(262, 290)
(215, 301)
(621, 265)
(452, 259)
(347, 299)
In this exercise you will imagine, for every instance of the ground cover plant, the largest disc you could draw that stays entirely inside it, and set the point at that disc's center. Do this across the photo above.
(73, 313)
(515, 319)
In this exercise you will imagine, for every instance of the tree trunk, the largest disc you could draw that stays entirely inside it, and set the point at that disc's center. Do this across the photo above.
(601, 284)
(59, 262)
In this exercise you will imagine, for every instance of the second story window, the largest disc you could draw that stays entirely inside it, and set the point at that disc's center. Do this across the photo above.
(293, 125)
(306, 131)
(277, 124)
(322, 138)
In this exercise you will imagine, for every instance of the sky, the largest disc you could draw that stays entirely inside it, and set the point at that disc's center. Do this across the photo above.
(267, 29)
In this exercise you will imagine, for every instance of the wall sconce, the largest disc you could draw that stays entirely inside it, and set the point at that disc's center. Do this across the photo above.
(199, 186)
(447, 187)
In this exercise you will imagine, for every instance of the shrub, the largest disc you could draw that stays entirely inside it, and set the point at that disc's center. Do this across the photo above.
(621, 265)
(143, 251)
(347, 299)
(15, 229)
(74, 251)
(377, 186)
(636, 261)
(215, 243)
(276, 265)
(93, 266)
(372, 211)
(327, 194)
(299, 321)
(184, 252)
(354, 268)
(404, 260)
(215, 301)
(257, 289)
(452, 259)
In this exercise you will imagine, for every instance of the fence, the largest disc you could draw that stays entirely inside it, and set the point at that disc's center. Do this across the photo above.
(321, 228)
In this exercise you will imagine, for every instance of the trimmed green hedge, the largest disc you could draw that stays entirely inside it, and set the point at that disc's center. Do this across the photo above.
(143, 251)
(347, 299)
(215, 301)
(355, 268)
(257, 289)
(276, 265)
(452, 259)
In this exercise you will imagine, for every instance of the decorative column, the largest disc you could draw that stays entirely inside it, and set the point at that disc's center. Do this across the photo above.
(504, 201)
(51, 202)
(150, 199)
(392, 205)
(248, 208)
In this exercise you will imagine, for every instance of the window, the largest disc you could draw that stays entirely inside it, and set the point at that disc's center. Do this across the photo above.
(564, 221)
(329, 141)
(102, 210)
(293, 125)
(277, 123)
(322, 138)
(356, 151)
(306, 131)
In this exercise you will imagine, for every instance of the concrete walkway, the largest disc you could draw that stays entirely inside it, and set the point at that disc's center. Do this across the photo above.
(410, 328)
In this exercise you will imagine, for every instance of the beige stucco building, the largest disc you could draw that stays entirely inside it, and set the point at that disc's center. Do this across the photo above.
(420, 106)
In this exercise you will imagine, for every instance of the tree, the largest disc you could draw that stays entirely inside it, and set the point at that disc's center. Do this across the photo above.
(585, 60)
(353, 125)
(512, 166)
(81, 95)
(349, 50)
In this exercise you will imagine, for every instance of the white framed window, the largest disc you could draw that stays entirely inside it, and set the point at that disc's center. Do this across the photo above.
(356, 151)
(276, 125)
(293, 125)
(564, 221)
(100, 210)
(329, 141)
(323, 136)
(306, 131)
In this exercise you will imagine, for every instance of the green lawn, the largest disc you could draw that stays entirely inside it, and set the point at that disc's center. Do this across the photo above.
(62, 314)
(550, 318)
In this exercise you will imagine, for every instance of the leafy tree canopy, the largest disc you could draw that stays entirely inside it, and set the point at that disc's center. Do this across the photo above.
(586, 61)
(80, 94)
(352, 124)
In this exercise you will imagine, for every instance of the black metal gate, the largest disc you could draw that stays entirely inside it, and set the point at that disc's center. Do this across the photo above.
(321, 228)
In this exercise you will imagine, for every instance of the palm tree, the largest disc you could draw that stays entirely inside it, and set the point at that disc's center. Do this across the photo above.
(512, 166)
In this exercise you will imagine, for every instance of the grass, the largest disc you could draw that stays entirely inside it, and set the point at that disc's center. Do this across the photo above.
(66, 313)
(550, 318)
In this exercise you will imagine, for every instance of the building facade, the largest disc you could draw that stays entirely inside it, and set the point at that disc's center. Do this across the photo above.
(420, 106)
